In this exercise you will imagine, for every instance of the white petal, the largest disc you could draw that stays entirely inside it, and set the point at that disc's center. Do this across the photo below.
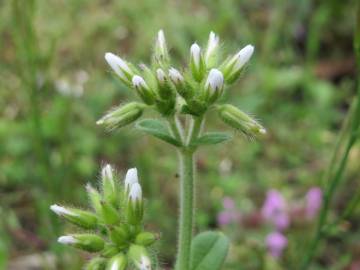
(60, 211)
(131, 178)
(117, 64)
(243, 56)
(138, 81)
(175, 75)
(215, 79)
(195, 52)
(107, 172)
(67, 239)
(135, 192)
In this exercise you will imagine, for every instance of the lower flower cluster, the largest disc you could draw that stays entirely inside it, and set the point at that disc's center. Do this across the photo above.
(114, 227)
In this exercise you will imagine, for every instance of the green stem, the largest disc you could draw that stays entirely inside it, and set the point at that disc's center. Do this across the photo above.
(176, 128)
(186, 208)
(187, 196)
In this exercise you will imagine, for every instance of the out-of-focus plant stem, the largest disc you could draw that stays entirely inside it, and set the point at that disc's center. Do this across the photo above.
(335, 179)
(28, 55)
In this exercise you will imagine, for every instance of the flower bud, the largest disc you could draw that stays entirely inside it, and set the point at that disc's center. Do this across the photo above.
(146, 239)
(143, 89)
(109, 214)
(122, 115)
(119, 235)
(197, 64)
(214, 85)
(109, 186)
(94, 197)
(211, 53)
(233, 66)
(87, 242)
(240, 121)
(120, 67)
(140, 258)
(96, 264)
(161, 53)
(165, 90)
(130, 179)
(118, 262)
(109, 251)
(84, 219)
(135, 207)
(181, 86)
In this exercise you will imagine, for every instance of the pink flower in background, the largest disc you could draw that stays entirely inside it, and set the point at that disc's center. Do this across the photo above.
(274, 210)
(230, 214)
(276, 242)
(313, 202)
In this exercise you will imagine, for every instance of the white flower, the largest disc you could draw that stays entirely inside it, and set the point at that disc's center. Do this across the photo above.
(160, 74)
(195, 52)
(215, 81)
(175, 75)
(67, 240)
(242, 57)
(213, 43)
(139, 82)
(161, 42)
(135, 192)
(131, 178)
(118, 65)
(60, 211)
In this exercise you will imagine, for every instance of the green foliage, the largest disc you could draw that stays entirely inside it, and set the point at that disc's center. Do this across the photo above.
(208, 251)
(212, 138)
(157, 129)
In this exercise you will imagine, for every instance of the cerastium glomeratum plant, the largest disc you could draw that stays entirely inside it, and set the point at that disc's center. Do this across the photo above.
(182, 97)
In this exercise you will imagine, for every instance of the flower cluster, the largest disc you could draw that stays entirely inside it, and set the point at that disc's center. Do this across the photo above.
(115, 223)
(192, 90)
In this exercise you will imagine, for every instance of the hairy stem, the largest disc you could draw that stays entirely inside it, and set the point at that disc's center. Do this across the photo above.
(187, 195)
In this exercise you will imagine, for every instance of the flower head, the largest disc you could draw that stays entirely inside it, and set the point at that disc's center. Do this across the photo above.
(131, 178)
(120, 67)
(274, 210)
(214, 85)
(276, 243)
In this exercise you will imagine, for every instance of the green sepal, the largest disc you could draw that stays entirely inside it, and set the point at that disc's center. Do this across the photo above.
(96, 263)
(146, 239)
(109, 214)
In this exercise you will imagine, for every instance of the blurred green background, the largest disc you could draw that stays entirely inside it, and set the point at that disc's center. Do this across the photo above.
(54, 85)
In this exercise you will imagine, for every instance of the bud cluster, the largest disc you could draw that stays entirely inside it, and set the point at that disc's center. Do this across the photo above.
(114, 227)
(169, 90)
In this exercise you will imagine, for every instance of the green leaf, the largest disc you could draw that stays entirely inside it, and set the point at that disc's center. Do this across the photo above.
(157, 129)
(208, 251)
(212, 138)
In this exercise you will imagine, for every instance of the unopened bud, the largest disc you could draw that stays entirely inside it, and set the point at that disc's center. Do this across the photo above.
(94, 197)
(84, 219)
(197, 64)
(87, 242)
(233, 67)
(143, 89)
(145, 239)
(121, 67)
(109, 214)
(211, 53)
(122, 115)
(119, 235)
(214, 85)
(118, 262)
(140, 258)
(109, 251)
(240, 121)
(181, 86)
(135, 205)
(165, 89)
(109, 186)
(161, 53)
(96, 264)
(130, 179)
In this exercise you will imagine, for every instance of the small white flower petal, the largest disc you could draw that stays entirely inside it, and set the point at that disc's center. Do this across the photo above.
(243, 56)
(175, 75)
(215, 80)
(60, 210)
(135, 192)
(131, 178)
(138, 81)
(195, 52)
(67, 240)
(117, 64)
